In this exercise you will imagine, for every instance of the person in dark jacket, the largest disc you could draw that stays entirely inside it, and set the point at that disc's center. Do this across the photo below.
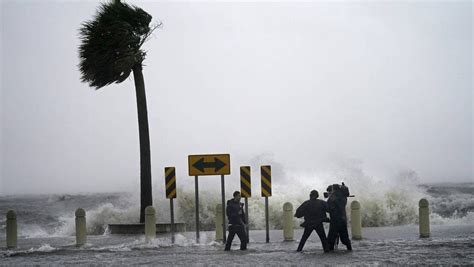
(236, 217)
(337, 201)
(314, 213)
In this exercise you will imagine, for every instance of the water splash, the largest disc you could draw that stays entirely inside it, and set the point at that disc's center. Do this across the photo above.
(385, 201)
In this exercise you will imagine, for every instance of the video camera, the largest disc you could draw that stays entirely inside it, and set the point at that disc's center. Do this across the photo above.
(334, 187)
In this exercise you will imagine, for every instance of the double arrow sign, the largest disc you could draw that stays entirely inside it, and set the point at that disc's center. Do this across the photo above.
(209, 164)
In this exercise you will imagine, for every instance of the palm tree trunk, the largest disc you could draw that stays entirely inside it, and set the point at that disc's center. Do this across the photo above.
(145, 165)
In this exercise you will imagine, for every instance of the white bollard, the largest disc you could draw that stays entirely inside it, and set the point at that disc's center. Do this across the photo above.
(288, 231)
(81, 229)
(356, 220)
(219, 223)
(424, 219)
(11, 230)
(150, 223)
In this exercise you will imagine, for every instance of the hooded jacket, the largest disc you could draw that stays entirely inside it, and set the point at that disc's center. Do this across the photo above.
(313, 211)
(235, 212)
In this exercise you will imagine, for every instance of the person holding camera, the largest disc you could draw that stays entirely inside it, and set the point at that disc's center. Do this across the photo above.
(337, 201)
(314, 213)
(236, 216)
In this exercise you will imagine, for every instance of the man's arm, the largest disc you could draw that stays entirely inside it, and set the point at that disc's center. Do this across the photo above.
(244, 219)
(325, 206)
(228, 211)
(301, 210)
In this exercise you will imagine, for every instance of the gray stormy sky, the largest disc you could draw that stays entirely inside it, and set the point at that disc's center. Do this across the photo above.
(385, 84)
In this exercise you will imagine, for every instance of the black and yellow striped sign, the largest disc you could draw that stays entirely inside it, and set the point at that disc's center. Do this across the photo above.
(170, 181)
(266, 172)
(245, 184)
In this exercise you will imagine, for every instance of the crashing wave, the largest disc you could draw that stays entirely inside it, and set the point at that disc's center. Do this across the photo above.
(385, 201)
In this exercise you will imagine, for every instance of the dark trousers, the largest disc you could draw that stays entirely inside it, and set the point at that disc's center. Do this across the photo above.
(320, 231)
(240, 231)
(338, 228)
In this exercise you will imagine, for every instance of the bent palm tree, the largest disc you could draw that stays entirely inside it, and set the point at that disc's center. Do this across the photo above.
(110, 50)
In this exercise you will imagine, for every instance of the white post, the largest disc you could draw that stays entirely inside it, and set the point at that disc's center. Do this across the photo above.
(219, 223)
(288, 231)
(81, 229)
(424, 219)
(150, 223)
(356, 220)
(11, 230)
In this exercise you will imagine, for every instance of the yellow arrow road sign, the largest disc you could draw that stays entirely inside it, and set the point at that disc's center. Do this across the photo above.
(216, 164)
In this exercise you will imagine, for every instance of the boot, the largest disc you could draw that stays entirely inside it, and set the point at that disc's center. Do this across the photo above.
(300, 247)
(349, 246)
(325, 244)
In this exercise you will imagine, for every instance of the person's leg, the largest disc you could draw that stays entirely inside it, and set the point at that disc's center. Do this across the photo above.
(230, 237)
(322, 236)
(332, 234)
(306, 234)
(243, 237)
(344, 235)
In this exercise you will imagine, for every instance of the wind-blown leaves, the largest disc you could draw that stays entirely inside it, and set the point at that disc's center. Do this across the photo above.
(110, 43)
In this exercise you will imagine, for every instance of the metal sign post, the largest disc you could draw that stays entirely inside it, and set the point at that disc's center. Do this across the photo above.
(170, 183)
(216, 164)
(267, 225)
(196, 190)
(266, 183)
(246, 192)
(172, 220)
(224, 224)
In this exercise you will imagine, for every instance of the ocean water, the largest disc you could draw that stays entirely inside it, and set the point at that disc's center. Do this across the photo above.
(390, 235)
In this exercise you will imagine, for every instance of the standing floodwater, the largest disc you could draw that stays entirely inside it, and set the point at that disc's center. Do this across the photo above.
(383, 245)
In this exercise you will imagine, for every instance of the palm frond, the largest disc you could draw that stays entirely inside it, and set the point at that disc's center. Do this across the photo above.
(111, 43)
